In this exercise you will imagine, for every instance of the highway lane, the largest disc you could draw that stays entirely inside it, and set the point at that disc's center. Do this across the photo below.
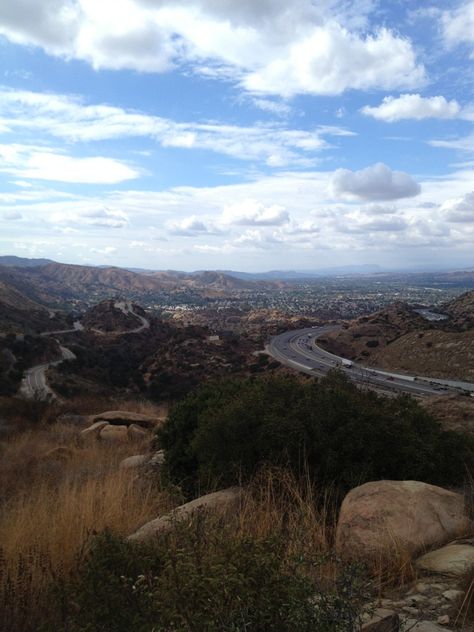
(298, 349)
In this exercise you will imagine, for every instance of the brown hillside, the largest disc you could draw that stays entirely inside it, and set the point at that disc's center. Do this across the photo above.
(461, 310)
(19, 314)
(107, 318)
(400, 339)
(359, 339)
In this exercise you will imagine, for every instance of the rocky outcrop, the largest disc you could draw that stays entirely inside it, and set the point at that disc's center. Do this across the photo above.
(224, 501)
(103, 430)
(125, 418)
(379, 518)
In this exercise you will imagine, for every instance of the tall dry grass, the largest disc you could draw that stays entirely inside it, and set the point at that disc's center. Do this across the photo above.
(277, 502)
(57, 490)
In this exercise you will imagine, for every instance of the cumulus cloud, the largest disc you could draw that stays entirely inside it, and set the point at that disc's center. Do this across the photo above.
(269, 46)
(68, 118)
(250, 212)
(13, 216)
(413, 106)
(331, 60)
(377, 182)
(458, 25)
(191, 226)
(38, 163)
(459, 209)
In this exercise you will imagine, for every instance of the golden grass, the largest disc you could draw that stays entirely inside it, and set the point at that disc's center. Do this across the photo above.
(94, 404)
(53, 500)
(277, 503)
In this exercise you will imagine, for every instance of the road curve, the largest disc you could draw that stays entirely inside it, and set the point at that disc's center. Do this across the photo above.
(34, 383)
(299, 350)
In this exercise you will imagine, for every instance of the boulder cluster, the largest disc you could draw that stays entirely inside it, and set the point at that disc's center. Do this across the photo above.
(119, 426)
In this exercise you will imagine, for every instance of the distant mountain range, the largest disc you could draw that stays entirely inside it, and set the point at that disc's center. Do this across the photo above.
(270, 275)
(44, 283)
(23, 262)
(62, 285)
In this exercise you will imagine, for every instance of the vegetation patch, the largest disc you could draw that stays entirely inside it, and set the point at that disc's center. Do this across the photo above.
(222, 433)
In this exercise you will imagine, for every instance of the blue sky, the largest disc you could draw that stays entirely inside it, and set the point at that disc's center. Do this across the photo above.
(243, 135)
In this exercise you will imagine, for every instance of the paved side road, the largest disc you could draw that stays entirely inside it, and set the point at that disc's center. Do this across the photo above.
(299, 350)
(34, 384)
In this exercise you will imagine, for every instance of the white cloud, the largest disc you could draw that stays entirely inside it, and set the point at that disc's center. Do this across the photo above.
(95, 215)
(413, 106)
(191, 226)
(13, 216)
(271, 47)
(39, 163)
(318, 222)
(250, 212)
(275, 107)
(378, 209)
(384, 224)
(68, 118)
(377, 182)
(463, 143)
(458, 25)
(459, 209)
(331, 60)
(107, 250)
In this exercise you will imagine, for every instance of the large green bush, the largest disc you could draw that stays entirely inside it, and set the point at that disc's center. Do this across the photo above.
(205, 578)
(224, 432)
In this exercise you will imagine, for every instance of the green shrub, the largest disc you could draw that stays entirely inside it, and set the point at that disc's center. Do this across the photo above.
(204, 577)
(224, 432)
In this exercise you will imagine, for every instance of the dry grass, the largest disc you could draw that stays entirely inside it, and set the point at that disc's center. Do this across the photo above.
(94, 404)
(277, 503)
(57, 491)
(465, 616)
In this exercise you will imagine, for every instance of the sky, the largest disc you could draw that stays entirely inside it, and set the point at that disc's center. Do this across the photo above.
(249, 135)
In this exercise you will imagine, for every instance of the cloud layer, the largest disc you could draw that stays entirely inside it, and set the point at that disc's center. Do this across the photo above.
(269, 47)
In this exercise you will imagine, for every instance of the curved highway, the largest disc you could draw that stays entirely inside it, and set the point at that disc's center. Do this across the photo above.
(299, 350)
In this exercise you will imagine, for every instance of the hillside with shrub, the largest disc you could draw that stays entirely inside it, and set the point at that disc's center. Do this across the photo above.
(221, 434)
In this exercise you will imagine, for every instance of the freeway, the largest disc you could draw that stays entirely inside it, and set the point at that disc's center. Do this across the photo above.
(299, 350)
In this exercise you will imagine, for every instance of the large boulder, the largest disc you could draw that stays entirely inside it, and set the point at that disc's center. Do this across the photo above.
(135, 461)
(125, 418)
(454, 560)
(114, 434)
(379, 518)
(226, 500)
